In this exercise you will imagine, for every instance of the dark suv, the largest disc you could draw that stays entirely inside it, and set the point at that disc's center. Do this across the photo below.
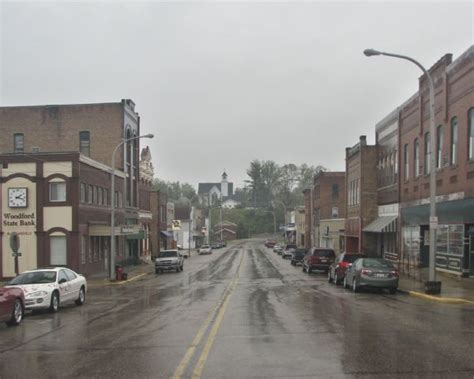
(318, 258)
(298, 256)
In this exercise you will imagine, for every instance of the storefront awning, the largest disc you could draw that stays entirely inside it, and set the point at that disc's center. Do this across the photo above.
(384, 224)
(166, 234)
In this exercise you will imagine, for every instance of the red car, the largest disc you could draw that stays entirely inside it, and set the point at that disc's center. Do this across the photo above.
(270, 243)
(12, 305)
(337, 271)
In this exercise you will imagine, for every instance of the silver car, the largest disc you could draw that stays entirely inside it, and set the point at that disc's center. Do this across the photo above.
(371, 272)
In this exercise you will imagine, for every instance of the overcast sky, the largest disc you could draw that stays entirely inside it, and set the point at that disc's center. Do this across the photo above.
(220, 84)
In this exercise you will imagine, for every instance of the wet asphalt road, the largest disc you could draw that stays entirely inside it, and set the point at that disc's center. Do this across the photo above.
(241, 312)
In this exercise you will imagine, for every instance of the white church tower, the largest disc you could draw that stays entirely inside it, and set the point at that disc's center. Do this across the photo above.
(224, 186)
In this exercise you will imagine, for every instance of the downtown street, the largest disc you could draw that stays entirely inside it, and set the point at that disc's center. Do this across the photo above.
(242, 311)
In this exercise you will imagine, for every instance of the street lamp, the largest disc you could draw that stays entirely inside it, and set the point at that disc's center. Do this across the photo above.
(433, 218)
(112, 199)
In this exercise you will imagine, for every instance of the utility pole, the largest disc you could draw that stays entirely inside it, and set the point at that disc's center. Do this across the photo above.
(189, 239)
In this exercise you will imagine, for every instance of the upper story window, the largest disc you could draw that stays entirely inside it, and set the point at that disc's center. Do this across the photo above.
(335, 191)
(440, 141)
(395, 162)
(89, 194)
(57, 191)
(18, 143)
(335, 212)
(416, 154)
(95, 197)
(99, 196)
(85, 143)
(454, 141)
(106, 197)
(407, 163)
(427, 163)
(470, 150)
(83, 193)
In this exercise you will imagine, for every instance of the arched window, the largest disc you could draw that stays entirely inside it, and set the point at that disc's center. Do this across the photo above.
(454, 141)
(416, 155)
(470, 120)
(439, 141)
(427, 162)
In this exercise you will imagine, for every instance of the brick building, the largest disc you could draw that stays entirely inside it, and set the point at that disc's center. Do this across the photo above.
(308, 217)
(454, 149)
(66, 205)
(329, 209)
(385, 228)
(361, 200)
(93, 130)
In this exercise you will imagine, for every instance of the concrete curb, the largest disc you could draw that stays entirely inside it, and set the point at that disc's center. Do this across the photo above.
(437, 299)
(107, 282)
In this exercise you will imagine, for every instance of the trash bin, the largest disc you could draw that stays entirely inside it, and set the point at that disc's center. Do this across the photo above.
(433, 288)
(124, 276)
(118, 272)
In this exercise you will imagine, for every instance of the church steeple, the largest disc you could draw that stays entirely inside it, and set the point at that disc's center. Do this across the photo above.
(224, 176)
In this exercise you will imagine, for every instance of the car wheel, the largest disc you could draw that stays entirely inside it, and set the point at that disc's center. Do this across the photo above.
(54, 305)
(329, 276)
(82, 297)
(355, 288)
(309, 270)
(393, 290)
(17, 314)
(303, 269)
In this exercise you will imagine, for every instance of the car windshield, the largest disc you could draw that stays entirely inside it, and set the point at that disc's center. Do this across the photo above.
(168, 254)
(34, 277)
(291, 246)
(351, 258)
(376, 263)
(323, 253)
(301, 251)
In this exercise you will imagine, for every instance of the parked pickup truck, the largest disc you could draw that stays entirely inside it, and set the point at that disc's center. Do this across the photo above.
(169, 260)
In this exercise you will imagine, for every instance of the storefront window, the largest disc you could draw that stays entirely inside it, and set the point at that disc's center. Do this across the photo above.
(449, 240)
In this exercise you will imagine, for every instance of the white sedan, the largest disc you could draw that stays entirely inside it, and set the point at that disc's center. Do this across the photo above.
(48, 288)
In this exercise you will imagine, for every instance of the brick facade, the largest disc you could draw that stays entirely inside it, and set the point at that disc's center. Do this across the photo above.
(361, 196)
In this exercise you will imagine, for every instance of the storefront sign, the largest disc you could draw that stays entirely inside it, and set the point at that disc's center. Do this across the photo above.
(19, 219)
(128, 230)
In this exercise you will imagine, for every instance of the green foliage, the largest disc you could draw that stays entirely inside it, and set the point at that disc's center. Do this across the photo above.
(181, 193)
(269, 181)
(249, 221)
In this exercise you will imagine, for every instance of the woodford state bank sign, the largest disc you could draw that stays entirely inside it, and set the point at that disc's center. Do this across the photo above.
(19, 219)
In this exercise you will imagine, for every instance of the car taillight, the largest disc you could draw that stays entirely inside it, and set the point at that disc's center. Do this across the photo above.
(366, 272)
(343, 264)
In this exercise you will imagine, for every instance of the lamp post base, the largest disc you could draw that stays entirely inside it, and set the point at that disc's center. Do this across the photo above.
(433, 288)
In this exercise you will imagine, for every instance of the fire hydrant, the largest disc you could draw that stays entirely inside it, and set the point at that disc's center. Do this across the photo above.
(118, 272)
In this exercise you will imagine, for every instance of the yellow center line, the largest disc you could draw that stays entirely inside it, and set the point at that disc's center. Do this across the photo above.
(180, 370)
(197, 373)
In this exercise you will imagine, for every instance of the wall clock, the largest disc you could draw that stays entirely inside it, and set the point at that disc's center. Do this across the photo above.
(18, 197)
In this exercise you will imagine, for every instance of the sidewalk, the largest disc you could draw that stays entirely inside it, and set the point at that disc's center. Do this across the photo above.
(454, 290)
(133, 273)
